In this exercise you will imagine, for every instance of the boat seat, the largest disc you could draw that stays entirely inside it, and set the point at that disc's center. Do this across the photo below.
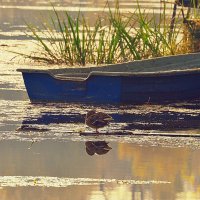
(71, 76)
(77, 75)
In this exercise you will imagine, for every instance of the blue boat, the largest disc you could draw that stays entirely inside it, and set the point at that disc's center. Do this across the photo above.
(158, 80)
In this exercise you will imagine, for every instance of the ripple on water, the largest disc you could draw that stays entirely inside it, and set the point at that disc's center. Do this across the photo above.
(40, 181)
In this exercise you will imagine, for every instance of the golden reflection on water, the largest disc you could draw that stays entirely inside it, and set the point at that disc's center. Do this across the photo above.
(146, 172)
(14, 14)
(156, 10)
(119, 192)
(180, 166)
(49, 165)
(156, 160)
(78, 193)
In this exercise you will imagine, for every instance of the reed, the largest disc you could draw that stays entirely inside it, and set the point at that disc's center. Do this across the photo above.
(117, 38)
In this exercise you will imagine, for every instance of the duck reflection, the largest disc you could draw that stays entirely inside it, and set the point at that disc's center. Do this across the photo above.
(97, 147)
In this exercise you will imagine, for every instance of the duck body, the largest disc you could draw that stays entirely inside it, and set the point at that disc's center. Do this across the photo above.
(97, 120)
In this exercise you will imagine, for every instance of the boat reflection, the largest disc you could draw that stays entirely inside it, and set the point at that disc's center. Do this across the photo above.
(97, 147)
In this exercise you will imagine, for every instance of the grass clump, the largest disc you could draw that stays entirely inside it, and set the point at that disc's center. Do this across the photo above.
(114, 38)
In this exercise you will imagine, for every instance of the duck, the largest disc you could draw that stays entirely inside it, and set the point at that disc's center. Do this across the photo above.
(97, 120)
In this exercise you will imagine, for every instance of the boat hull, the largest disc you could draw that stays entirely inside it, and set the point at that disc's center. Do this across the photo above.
(112, 88)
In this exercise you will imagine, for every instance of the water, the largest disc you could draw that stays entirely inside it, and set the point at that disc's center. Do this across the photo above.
(44, 152)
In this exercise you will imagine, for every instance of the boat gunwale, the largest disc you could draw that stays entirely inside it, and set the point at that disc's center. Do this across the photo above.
(113, 74)
(155, 67)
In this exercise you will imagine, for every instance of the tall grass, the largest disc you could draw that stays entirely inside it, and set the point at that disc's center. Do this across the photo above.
(113, 39)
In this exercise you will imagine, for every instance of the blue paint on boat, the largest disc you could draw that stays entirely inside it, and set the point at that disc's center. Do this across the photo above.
(159, 89)
(43, 87)
(103, 89)
(110, 85)
(97, 89)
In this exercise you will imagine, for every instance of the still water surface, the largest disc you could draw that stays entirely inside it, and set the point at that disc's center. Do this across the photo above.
(44, 152)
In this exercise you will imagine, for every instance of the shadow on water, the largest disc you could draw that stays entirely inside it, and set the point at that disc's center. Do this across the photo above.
(171, 117)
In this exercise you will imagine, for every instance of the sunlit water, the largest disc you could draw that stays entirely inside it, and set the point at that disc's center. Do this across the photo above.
(45, 148)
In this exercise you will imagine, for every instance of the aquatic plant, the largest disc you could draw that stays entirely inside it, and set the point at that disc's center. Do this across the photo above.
(114, 38)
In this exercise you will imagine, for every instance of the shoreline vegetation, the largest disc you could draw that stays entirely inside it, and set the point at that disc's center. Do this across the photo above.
(115, 38)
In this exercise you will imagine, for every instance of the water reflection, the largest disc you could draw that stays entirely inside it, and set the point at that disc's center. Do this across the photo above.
(97, 147)
(15, 14)
(94, 3)
(176, 165)
(128, 170)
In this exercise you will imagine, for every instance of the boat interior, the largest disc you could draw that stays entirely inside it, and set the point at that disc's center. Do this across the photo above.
(156, 66)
